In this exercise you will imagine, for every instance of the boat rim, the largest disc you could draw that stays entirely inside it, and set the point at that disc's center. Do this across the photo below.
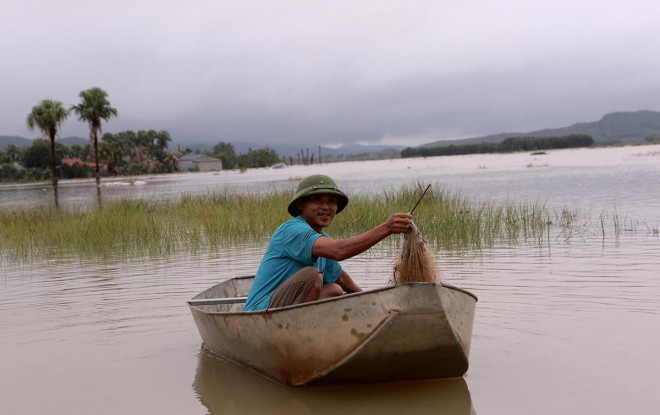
(325, 300)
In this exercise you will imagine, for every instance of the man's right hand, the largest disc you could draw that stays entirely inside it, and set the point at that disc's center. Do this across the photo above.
(399, 223)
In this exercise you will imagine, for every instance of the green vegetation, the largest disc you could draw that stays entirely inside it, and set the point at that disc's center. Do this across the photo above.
(40, 154)
(227, 153)
(263, 157)
(387, 154)
(130, 228)
(653, 138)
(94, 108)
(126, 153)
(506, 146)
(141, 152)
(48, 116)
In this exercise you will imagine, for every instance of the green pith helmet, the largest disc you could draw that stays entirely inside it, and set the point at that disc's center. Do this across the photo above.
(315, 185)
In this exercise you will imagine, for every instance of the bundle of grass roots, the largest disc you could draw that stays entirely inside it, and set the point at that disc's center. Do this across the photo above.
(415, 264)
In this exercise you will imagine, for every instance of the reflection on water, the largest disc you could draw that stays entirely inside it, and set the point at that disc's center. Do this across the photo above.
(226, 388)
(558, 328)
(549, 323)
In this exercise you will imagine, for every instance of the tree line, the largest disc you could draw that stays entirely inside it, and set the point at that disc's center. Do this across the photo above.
(125, 153)
(507, 145)
(141, 152)
(263, 157)
(653, 138)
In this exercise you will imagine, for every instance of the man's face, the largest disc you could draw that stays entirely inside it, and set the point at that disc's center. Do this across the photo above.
(318, 210)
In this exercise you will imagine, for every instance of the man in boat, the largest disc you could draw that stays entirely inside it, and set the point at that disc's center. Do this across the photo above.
(301, 263)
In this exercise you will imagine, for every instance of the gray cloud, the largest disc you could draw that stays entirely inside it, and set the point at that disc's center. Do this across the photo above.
(331, 72)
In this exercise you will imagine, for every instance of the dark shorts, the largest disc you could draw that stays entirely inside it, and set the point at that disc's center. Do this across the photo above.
(295, 289)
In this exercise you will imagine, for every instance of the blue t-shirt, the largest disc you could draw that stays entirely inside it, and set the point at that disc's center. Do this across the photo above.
(289, 250)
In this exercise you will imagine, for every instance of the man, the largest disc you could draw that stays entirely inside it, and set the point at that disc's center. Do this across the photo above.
(301, 261)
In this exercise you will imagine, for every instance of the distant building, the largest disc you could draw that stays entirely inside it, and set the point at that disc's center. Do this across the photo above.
(199, 162)
(71, 161)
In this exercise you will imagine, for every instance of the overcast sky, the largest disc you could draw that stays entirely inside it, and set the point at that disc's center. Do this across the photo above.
(327, 72)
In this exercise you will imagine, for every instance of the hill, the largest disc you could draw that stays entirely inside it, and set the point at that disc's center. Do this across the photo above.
(6, 140)
(622, 127)
(69, 141)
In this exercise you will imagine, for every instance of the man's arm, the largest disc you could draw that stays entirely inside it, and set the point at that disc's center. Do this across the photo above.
(349, 247)
(346, 283)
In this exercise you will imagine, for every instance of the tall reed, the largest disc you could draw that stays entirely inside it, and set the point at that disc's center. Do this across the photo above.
(137, 228)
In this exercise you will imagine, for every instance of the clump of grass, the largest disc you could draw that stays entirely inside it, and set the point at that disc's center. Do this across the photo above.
(415, 264)
(447, 221)
(138, 228)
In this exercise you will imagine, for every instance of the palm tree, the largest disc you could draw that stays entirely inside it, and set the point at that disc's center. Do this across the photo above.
(47, 116)
(94, 108)
(13, 152)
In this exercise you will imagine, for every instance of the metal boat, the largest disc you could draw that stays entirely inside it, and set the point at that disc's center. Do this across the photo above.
(398, 332)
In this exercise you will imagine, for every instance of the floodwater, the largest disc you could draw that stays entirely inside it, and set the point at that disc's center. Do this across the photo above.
(566, 328)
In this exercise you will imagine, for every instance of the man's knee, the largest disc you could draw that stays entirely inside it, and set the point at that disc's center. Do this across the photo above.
(331, 290)
(315, 290)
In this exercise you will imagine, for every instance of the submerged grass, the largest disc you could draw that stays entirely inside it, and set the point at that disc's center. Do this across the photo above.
(138, 228)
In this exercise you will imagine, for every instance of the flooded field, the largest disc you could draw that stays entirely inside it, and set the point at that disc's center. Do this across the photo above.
(568, 328)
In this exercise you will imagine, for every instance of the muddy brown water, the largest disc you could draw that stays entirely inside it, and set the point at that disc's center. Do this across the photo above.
(569, 328)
